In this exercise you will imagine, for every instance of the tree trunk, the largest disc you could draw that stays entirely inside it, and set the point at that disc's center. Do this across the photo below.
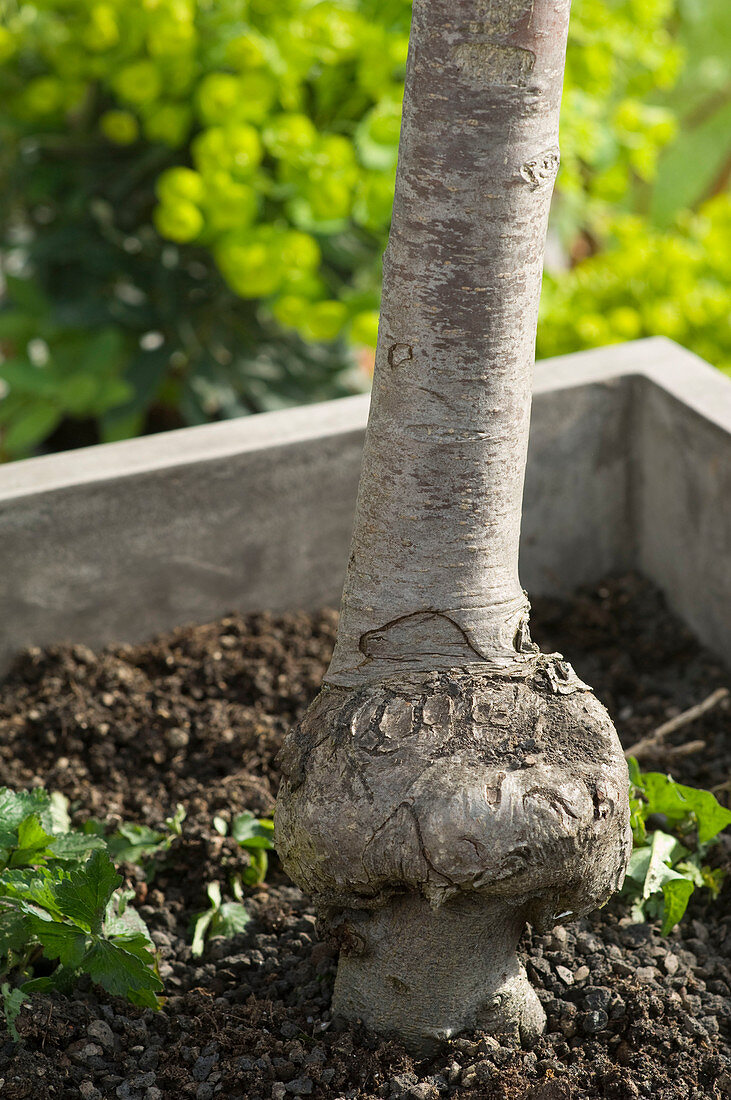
(450, 782)
(434, 560)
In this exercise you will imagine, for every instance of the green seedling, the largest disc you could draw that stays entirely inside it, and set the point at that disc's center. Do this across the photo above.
(222, 918)
(226, 918)
(255, 835)
(132, 843)
(666, 866)
(60, 901)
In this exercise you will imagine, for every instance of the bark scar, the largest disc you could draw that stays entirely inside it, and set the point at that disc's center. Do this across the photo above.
(493, 63)
(399, 353)
(381, 831)
(541, 170)
(421, 632)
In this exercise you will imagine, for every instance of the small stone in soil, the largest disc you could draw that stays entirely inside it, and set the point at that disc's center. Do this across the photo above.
(300, 1086)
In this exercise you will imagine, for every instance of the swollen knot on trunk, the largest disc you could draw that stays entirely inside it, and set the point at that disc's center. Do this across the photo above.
(431, 815)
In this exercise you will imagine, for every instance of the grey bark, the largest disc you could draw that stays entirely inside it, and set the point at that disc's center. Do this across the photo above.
(438, 514)
(450, 782)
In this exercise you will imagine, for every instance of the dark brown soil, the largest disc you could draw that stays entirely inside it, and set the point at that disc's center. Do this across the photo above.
(197, 717)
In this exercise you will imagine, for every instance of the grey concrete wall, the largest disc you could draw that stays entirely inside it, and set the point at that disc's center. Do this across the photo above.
(117, 542)
(103, 547)
(576, 515)
(683, 510)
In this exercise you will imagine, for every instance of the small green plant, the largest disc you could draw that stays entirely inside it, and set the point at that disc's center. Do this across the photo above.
(133, 843)
(226, 918)
(254, 834)
(222, 918)
(62, 912)
(668, 862)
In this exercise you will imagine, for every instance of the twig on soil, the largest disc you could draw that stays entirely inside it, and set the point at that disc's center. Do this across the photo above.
(650, 744)
(48, 1024)
(676, 752)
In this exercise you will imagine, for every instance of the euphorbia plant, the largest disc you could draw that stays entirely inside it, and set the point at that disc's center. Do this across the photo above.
(450, 781)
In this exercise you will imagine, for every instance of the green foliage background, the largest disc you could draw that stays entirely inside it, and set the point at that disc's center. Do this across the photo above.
(197, 196)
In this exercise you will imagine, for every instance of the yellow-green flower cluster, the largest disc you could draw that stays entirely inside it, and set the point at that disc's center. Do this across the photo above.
(282, 119)
(648, 283)
(267, 105)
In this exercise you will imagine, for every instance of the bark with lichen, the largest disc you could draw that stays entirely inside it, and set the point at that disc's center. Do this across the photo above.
(450, 782)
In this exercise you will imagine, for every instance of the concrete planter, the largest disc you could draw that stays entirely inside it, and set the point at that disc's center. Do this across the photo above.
(629, 467)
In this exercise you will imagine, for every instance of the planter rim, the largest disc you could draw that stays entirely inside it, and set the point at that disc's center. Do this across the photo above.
(629, 467)
(674, 369)
(181, 446)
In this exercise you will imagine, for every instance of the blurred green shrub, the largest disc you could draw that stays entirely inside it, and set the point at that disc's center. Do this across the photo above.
(647, 282)
(198, 194)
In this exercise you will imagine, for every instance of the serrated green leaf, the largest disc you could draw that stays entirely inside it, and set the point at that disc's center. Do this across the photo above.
(15, 806)
(72, 847)
(676, 893)
(32, 843)
(31, 833)
(252, 832)
(12, 1003)
(678, 802)
(137, 944)
(84, 894)
(31, 889)
(664, 851)
(61, 941)
(711, 816)
(139, 834)
(122, 973)
(13, 935)
(134, 843)
(229, 919)
(121, 919)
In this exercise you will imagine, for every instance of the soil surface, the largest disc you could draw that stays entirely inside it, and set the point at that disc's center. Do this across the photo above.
(197, 717)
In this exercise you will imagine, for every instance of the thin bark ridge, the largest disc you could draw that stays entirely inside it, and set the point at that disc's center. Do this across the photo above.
(432, 580)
